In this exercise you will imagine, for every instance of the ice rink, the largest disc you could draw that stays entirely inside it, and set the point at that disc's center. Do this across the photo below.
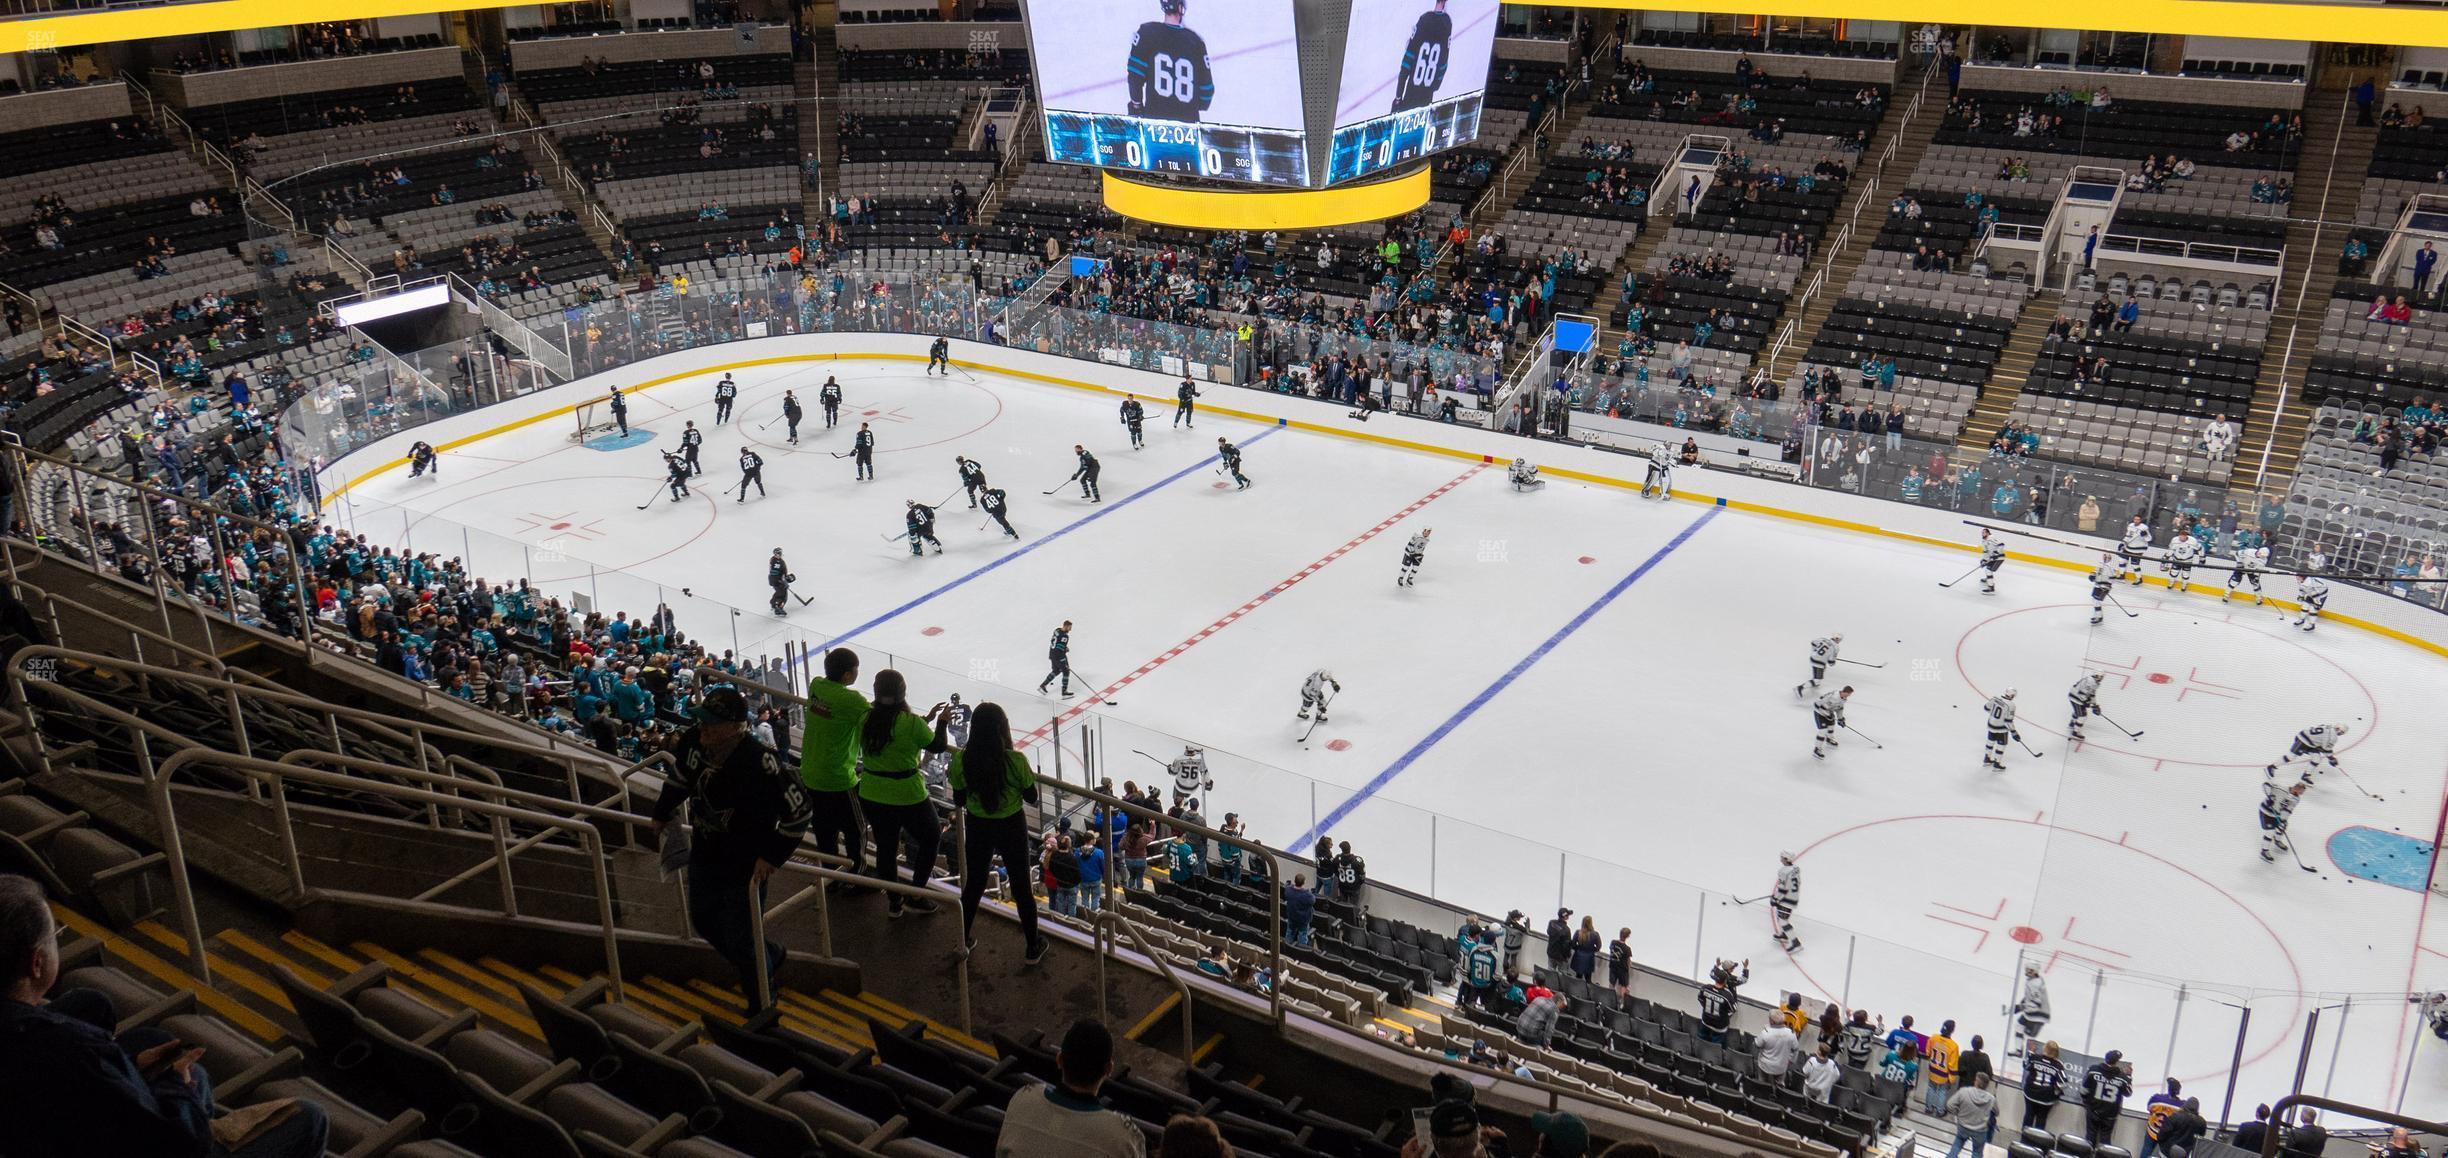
(1587, 697)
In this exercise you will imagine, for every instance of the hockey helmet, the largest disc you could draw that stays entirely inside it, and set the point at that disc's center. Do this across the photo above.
(1836, 636)
(777, 550)
(1787, 857)
(2341, 729)
(1326, 675)
(2008, 694)
(1174, 7)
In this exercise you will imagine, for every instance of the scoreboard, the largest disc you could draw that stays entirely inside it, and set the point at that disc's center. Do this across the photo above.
(1295, 94)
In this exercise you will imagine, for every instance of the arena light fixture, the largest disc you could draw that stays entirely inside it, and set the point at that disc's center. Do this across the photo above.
(424, 297)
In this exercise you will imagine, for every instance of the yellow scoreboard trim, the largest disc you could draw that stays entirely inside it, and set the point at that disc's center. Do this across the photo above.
(189, 19)
(2256, 19)
(1263, 209)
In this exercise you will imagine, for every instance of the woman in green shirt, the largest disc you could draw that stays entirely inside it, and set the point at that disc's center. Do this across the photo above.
(990, 809)
(893, 741)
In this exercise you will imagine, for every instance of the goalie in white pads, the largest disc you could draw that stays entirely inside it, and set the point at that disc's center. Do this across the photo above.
(2181, 557)
(1524, 475)
(2277, 807)
(1828, 712)
(2133, 547)
(1661, 472)
(2083, 698)
(1993, 557)
(1783, 901)
(2315, 748)
(1822, 657)
(2313, 593)
(2101, 577)
(1315, 695)
(2000, 724)
(1413, 552)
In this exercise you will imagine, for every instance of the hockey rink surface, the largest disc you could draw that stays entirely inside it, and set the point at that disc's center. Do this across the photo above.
(1586, 696)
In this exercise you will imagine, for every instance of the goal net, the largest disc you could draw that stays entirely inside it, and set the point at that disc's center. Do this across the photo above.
(594, 419)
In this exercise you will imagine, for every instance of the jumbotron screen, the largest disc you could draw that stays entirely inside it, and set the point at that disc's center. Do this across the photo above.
(1414, 75)
(1203, 88)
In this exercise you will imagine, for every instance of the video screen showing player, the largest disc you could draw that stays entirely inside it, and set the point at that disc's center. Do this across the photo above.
(1425, 59)
(1169, 76)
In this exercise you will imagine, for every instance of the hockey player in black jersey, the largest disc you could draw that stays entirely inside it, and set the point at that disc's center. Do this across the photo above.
(421, 461)
(991, 499)
(678, 468)
(1424, 60)
(972, 477)
(920, 521)
(1232, 462)
(725, 393)
(1185, 404)
(1086, 475)
(778, 576)
(691, 441)
(939, 357)
(1134, 417)
(1058, 655)
(752, 473)
(620, 409)
(862, 449)
(1168, 78)
(791, 412)
(830, 397)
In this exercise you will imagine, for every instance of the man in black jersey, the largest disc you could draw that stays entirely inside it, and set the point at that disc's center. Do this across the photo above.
(1168, 75)
(1424, 61)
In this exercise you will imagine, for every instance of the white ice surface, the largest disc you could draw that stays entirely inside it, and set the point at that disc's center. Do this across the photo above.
(1510, 734)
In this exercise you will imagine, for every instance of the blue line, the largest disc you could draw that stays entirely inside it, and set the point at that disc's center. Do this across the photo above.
(1399, 766)
(983, 569)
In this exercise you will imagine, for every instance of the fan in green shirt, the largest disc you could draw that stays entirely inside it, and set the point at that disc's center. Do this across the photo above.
(891, 743)
(828, 753)
(1018, 782)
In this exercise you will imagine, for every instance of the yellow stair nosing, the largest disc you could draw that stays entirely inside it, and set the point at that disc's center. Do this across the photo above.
(839, 1019)
(646, 1000)
(270, 956)
(443, 986)
(239, 975)
(321, 952)
(900, 1016)
(561, 975)
(508, 991)
(682, 997)
(521, 976)
(146, 962)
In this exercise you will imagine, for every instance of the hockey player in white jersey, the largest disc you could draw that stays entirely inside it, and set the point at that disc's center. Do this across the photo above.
(2083, 698)
(2315, 748)
(2182, 555)
(1992, 557)
(1827, 712)
(1190, 774)
(2277, 807)
(2249, 564)
(2313, 593)
(2133, 547)
(1783, 901)
(1314, 693)
(2000, 723)
(1413, 552)
(1661, 472)
(2434, 1011)
(1822, 657)
(2031, 1011)
(1524, 476)
(2101, 577)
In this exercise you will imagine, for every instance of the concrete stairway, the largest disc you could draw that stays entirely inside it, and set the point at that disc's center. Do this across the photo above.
(1866, 208)
(2014, 367)
(2328, 187)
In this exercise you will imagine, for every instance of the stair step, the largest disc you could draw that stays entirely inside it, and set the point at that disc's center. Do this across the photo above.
(143, 960)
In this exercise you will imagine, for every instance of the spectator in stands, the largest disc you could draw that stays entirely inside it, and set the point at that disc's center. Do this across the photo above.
(1778, 1048)
(1559, 940)
(1192, 1136)
(893, 742)
(2308, 1138)
(1300, 909)
(2252, 1134)
(1585, 945)
(2400, 1144)
(828, 759)
(1540, 1009)
(1902, 1064)
(2104, 1089)
(81, 1092)
(1942, 1053)
(1351, 878)
(2043, 1084)
(1973, 1112)
(2424, 259)
(747, 813)
(1067, 1121)
(1820, 1073)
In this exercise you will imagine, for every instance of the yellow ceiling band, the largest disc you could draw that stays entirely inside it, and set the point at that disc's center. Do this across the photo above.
(1262, 209)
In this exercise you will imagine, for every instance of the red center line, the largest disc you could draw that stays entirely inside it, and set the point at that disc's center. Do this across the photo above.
(1230, 618)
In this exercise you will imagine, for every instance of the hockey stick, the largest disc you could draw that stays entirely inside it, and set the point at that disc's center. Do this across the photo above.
(2129, 612)
(1858, 663)
(1095, 696)
(1136, 751)
(2130, 733)
(2035, 752)
(1858, 732)
(1749, 900)
(651, 497)
(1314, 721)
(2340, 769)
(803, 600)
(2299, 860)
(1962, 577)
